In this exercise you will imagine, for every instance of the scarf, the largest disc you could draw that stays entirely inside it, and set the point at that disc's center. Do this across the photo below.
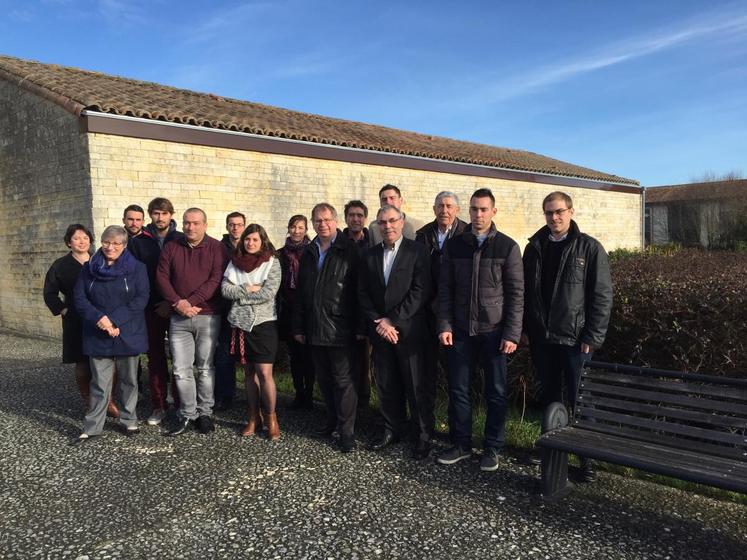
(247, 263)
(293, 252)
(123, 266)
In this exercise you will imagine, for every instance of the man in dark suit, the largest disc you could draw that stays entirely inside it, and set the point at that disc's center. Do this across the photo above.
(394, 288)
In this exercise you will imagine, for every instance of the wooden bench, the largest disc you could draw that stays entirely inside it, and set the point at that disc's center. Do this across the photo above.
(683, 425)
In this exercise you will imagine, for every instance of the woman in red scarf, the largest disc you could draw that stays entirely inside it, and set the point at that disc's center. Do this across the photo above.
(251, 283)
(301, 367)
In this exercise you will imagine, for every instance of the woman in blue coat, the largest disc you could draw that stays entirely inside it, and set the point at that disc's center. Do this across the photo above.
(110, 296)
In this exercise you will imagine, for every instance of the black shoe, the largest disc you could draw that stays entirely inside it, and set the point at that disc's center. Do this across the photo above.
(298, 403)
(130, 431)
(586, 473)
(205, 424)
(347, 443)
(422, 450)
(81, 439)
(180, 428)
(325, 432)
(490, 460)
(387, 439)
(221, 405)
(453, 455)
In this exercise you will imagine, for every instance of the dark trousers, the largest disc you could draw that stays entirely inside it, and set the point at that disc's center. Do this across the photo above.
(554, 364)
(402, 378)
(467, 352)
(225, 365)
(302, 370)
(434, 355)
(332, 367)
(158, 369)
(362, 370)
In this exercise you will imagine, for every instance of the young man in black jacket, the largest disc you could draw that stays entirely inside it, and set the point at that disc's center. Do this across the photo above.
(326, 318)
(481, 300)
(568, 300)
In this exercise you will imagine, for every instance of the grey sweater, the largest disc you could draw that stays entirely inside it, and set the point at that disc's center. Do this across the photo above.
(250, 309)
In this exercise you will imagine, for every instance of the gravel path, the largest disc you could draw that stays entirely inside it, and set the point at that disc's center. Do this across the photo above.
(218, 496)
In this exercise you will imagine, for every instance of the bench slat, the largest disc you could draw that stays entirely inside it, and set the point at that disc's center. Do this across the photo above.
(669, 412)
(699, 468)
(677, 386)
(657, 426)
(694, 446)
(594, 388)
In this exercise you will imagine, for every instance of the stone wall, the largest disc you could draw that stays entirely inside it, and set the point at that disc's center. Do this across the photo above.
(270, 188)
(44, 186)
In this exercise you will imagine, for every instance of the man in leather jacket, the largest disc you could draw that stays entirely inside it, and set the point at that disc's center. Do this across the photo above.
(326, 317)
(568, 300)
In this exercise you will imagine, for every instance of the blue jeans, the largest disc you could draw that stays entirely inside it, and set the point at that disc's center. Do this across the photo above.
(193, 342)
(466, 352)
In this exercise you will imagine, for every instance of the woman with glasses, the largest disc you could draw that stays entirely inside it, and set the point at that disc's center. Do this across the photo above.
(251, 283)
(111, 295)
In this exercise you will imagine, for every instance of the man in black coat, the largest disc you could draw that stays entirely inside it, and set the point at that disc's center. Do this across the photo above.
(326, 318)
(481, 300)
(394, 288)
(568, 301)
(434, 236)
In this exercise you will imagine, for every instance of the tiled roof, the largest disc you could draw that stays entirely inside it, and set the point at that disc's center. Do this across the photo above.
(714, 190)
(77, 90)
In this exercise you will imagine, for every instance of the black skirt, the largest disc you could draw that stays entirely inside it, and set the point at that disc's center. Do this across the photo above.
(260, 346)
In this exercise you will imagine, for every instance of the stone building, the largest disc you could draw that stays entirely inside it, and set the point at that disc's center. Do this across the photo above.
(79, 146)
(709, 214)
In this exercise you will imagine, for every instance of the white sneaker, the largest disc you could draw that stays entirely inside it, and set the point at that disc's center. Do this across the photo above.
(156, 417)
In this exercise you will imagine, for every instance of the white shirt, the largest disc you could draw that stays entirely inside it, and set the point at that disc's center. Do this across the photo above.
(389, 256)
(441, 237)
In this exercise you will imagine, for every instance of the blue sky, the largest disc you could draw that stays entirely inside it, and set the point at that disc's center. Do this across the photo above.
(653, 91)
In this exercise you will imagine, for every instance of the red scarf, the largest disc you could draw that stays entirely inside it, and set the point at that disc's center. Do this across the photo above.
(248, 262)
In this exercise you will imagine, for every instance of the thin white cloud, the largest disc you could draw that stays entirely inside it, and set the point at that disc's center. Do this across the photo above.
(725, 26)
(121, 11)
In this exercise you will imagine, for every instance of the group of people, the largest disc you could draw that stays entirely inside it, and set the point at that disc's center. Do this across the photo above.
(403, 294)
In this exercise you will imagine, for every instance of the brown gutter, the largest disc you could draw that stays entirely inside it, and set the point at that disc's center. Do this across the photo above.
(186, 134)
(25, 82)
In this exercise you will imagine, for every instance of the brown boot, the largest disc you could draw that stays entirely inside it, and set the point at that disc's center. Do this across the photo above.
(273, 428)
(83, 379)
(254, 424)
(111, 409)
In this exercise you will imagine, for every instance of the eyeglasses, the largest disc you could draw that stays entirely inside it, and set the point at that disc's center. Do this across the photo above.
(390, 221)
(558, 213)
(115, 244)
(323, 221)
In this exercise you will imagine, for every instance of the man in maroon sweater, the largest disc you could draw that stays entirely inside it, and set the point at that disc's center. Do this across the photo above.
(189, 274)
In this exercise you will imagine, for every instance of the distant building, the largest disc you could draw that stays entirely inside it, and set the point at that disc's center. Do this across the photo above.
(707, 214)
(79, 146)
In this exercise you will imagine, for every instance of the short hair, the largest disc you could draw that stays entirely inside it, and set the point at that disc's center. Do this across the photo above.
(266, 247)
(162, 204)
(387, 207)
(133, 208)
(390, 187)
(558, 195)
(484, 193)
(356, 204)
(72, 228)
(321, 207)
(446, 194)
(195, 210)
(298, 218)
(235, 215)
(115, 231)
